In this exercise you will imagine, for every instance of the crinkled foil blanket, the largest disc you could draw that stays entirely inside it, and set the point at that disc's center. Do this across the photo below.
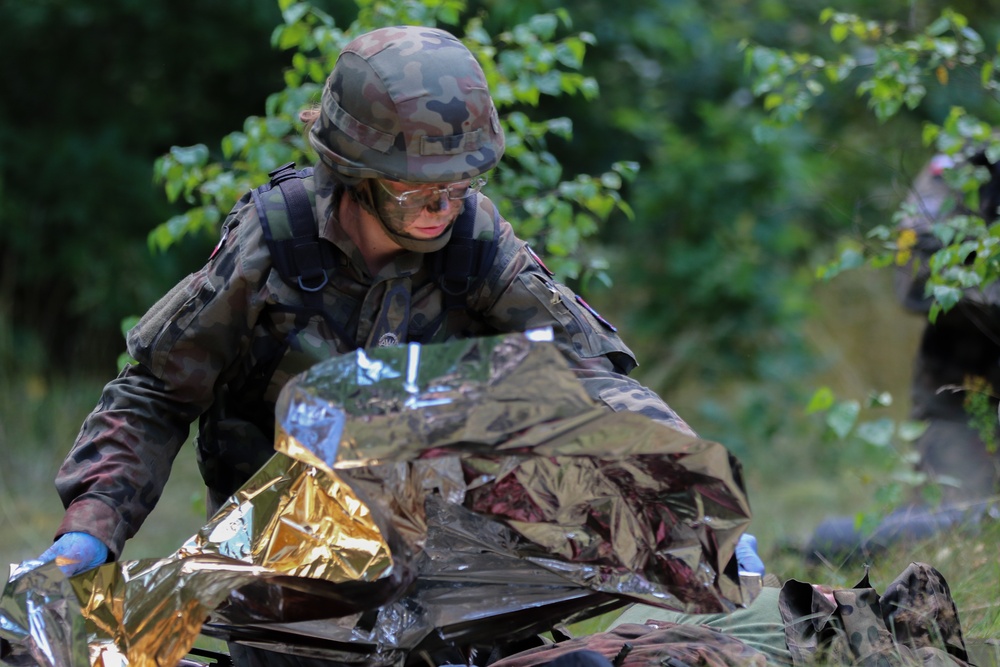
(420, 497)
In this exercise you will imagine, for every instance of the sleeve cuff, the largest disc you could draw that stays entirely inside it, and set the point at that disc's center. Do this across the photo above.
(97, 518)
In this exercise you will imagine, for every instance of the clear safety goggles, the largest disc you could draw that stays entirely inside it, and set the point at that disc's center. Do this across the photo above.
(431, 194)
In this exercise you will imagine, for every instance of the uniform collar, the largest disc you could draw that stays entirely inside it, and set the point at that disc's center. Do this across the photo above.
(328, 194)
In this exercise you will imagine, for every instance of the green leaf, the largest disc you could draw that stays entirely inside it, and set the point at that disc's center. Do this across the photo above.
(127, 323)
(881, 232)
(880, 400)
(571, 52)
(543, 25)
(946, 295)
(773, 101)
(878, 433)
(292, 36)
(190, 156)
(293, 78)
(628, 170)
(940, 26)
(935, 310)
(293, 13)
(539, 206)
(822, 400)
(233, 144)
(173, 189)
(611, 179)
(909, 430)
(842, 417)
(125, 359)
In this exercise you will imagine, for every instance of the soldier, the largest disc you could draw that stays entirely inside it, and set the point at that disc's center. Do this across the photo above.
(406, 133)
(959, 354)
(960, 351)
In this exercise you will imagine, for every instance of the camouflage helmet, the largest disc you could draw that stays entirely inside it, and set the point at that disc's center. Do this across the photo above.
(407, 104)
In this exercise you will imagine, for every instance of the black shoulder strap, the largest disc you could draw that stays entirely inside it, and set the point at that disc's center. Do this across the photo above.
(303, 261)
(464, 262)
(291, 231)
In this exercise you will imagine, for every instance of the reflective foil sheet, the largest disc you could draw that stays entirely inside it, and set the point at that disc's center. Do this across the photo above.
(421, 497)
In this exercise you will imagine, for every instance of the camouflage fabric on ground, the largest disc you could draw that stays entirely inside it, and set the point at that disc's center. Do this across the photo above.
(915, 622)
(919, 611)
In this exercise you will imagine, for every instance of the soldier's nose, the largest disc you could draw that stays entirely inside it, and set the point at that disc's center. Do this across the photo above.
(439, 204)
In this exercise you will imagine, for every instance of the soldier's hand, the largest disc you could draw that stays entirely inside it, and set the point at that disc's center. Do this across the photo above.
(76, 552)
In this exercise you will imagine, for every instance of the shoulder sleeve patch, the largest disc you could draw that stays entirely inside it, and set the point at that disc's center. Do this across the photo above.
(538, 260)
(596, 315)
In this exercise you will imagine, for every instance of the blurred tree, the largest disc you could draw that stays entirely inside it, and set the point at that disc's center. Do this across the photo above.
(932, 73)
(92, 92)
(713, 277)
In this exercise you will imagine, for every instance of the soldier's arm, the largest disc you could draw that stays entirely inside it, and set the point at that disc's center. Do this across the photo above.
(520, 293)
(119, 464)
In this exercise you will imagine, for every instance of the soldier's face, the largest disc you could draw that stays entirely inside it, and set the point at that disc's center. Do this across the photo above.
(432, 218)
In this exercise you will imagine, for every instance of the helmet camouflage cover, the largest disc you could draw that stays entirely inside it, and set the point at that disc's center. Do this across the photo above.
(407, 104)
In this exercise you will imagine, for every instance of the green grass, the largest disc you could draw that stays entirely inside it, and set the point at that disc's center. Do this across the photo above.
(39, 420)
(968, 560)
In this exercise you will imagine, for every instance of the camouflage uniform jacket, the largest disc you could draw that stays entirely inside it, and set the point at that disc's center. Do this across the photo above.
(207, 340)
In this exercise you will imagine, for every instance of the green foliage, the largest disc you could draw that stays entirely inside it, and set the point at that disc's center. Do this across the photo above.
(689, 260)
(977, 402)
(92, 93)
(894, 71)
(126, 324)
(874, 448)
(522, 65)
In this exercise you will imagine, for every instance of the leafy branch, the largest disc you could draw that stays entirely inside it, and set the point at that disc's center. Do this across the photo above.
(893, 72)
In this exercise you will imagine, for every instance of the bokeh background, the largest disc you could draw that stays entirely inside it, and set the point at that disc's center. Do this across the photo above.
(713, 280)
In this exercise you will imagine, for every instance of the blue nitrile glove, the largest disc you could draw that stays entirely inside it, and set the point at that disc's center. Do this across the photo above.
(76, 552)
(746, 555)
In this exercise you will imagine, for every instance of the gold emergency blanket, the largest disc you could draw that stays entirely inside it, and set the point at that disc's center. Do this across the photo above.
(421, 497)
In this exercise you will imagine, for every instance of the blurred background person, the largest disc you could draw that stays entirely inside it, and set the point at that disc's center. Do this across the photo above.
(956, 376)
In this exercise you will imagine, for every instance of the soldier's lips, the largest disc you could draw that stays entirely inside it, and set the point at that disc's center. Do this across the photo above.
(430, 232)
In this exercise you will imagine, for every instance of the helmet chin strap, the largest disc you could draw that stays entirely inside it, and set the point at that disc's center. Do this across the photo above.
(365, 196)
